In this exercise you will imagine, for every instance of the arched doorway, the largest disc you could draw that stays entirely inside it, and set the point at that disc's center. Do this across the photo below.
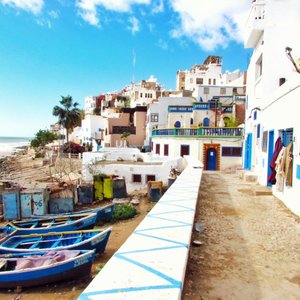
(211, 159)
(177, 124)
(206, 122)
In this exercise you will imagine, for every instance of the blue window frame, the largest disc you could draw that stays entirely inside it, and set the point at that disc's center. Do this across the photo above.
(232, 151)
(286, 136)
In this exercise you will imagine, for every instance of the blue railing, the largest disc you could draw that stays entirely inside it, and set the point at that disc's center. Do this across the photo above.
(200, 132)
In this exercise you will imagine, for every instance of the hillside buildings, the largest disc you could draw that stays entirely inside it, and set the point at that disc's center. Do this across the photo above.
(272, 127)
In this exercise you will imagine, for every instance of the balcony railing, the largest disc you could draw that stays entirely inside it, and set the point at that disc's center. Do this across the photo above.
(200, 132)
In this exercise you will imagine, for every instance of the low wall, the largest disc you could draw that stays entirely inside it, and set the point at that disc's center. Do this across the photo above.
(151, 263)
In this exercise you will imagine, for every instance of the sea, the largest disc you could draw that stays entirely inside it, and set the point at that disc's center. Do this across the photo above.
(10, 145)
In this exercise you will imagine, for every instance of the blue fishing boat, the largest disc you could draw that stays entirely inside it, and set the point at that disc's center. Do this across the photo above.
(53, 224)
(72, 240)
(39, 268)
(104, 213)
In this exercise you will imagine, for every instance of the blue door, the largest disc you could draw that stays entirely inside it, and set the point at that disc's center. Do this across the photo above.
(248, 152)
(211, 159)
(11, 205)
(270, 152)
(206, 122)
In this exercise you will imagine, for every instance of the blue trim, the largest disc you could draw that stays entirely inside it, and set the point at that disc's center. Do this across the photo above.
(162, 239)
(165, 219)
(151, 249)
(162, 227)
(122, 290)
(270, 153)
(173, 281)
(298, 172)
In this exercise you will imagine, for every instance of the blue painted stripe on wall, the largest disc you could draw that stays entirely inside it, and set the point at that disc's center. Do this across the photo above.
(175, 283)
(298, 172)
(86, 296)
(170, 220)
(162, 227)
(151, 249)
(162, 239)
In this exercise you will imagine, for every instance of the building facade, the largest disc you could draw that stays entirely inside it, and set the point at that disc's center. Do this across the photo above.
(272, 127)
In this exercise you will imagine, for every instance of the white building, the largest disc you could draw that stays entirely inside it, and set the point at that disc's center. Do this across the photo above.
(207, 92)
(273, 93)
(137, 168)
(92, 128)
(207, 74)
(157, 113)
(143, 93)
(89, 104)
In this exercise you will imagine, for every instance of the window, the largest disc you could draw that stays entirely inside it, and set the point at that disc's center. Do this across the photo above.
(154, 117)
(150, 178)
(264, 141)
(184, 150)
(258, 131)
(286, 136)
(136, 178)
(199, 80)
(214, 81)
(157, 148)
(177, 124)
(141, 95)
(209, 81)
(206, 90)
(231, 151)
(166, 150)
(223, 91)
(258, 67)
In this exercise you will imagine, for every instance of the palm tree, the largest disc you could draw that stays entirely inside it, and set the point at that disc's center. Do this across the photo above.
(68, 114)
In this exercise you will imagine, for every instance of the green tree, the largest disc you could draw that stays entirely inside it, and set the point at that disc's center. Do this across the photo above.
(68, 114)
(97, 111)
(42, 138)
(125, 135)
(232, 121)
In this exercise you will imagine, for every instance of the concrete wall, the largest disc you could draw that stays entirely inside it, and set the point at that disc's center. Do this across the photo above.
(151, 264)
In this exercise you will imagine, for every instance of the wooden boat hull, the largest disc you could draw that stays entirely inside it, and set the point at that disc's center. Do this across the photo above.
(59, 271)
(104, 213)
(74, 240)
(54, 224)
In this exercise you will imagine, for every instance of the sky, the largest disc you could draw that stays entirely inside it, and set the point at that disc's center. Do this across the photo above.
(54, 48)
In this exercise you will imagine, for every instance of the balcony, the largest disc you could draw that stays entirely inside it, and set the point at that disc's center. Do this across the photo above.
(255, 24)
(200, 132)
(122, 129)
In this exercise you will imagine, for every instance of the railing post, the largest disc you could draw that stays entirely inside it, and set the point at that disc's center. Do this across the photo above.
(199, 131)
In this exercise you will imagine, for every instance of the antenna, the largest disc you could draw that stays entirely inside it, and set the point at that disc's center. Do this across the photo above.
(133, 64)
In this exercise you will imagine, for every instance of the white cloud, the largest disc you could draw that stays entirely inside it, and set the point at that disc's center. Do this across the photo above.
(88, 8)
(33, 6)
(53, 14)
(134, 25)
(45, 23)
(163, 44)
(211, 23)
(158, 7)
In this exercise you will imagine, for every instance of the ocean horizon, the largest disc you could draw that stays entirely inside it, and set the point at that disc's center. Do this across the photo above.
(10, 144)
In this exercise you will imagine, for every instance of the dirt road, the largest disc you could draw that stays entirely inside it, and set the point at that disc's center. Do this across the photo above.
(251, 244)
